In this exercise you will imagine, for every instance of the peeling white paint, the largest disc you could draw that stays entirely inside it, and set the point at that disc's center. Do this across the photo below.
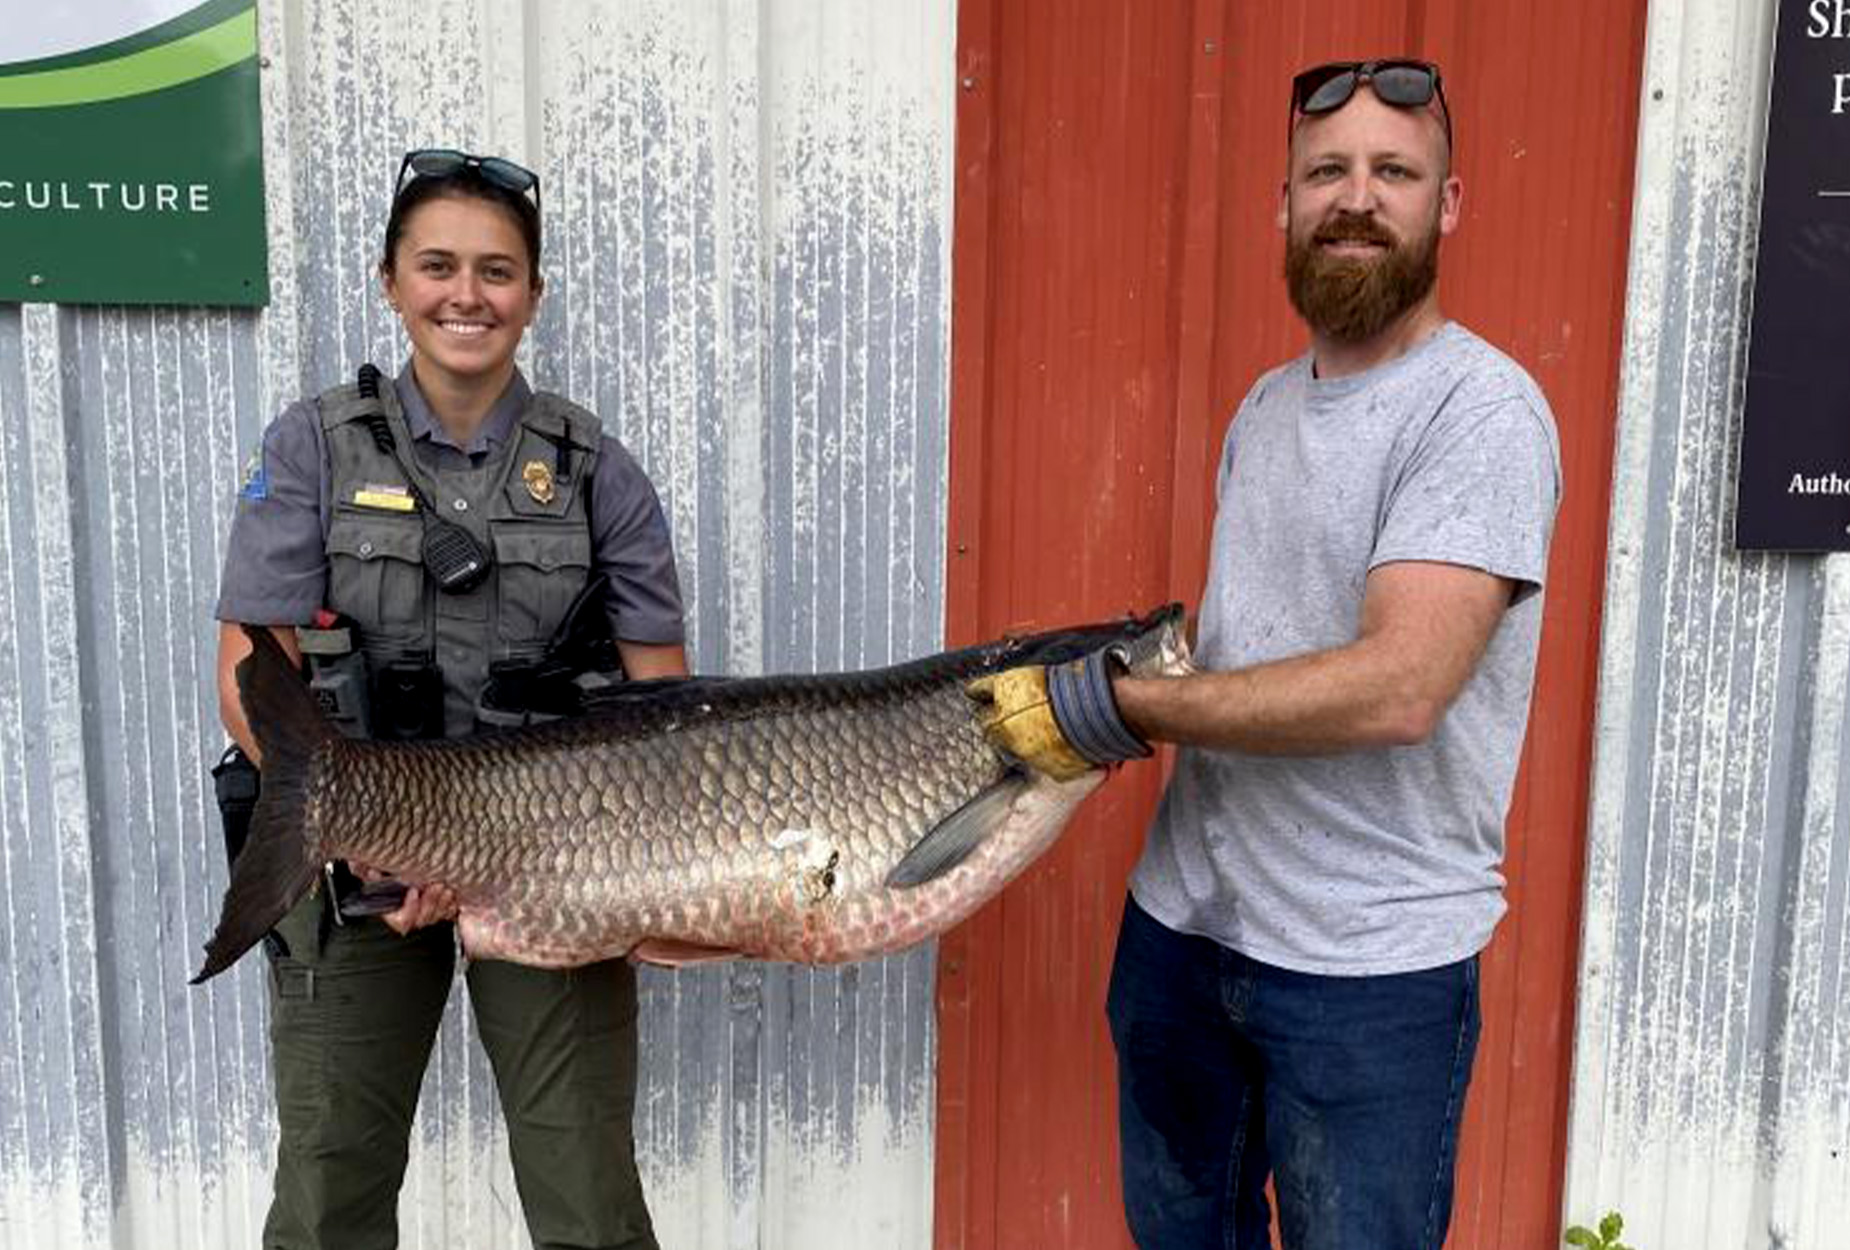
(747, 210)
(1709, 1097)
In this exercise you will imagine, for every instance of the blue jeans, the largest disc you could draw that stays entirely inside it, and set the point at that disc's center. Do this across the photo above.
(1346, 1091)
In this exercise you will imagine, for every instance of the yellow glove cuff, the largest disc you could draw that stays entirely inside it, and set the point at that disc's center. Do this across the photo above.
(1019, 719)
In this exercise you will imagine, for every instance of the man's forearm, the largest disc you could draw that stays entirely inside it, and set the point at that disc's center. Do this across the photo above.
(1349, 698)
(1423, 628)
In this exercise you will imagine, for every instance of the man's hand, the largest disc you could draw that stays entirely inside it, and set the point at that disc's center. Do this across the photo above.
(1018, 717)
(1063, 720)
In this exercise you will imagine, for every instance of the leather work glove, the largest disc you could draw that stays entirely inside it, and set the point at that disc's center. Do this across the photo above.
(1062, 719)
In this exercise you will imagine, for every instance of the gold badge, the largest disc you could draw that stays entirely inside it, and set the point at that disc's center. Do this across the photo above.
(538, 479)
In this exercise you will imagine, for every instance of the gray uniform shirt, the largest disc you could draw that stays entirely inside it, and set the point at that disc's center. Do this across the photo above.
(276, 563)
(1371, 861)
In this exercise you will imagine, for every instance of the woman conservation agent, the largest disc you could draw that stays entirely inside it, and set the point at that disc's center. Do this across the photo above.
(451, 516)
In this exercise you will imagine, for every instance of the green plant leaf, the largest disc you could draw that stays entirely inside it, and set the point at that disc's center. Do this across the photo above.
(1611, 1227)
(1583, 1237)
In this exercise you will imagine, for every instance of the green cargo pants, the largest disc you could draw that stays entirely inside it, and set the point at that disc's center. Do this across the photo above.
(353, 1020)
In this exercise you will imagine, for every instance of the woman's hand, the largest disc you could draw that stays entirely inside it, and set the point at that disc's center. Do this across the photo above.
(423, 905)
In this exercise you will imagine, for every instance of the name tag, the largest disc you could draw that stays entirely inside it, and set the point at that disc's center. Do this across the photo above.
(385, 498)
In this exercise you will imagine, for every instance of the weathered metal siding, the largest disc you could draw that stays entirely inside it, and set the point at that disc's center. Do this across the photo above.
(1711, 1100)
(747, 207)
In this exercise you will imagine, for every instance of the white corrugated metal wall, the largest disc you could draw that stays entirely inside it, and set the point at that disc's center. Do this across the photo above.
(748, 206)
(1711, 1101)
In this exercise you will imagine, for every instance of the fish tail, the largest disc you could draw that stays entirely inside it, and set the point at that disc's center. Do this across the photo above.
(280, 861)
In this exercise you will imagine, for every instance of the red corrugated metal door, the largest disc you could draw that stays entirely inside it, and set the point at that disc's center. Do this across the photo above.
(1116, 290)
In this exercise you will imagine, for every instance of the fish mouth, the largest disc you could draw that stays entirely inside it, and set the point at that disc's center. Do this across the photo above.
(1157, 638)
(1159, 644)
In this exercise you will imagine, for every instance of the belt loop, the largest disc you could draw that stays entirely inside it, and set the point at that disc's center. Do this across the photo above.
(332, 893)
(328, 915)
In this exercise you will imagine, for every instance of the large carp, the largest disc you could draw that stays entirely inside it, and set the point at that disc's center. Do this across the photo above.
(806, 818)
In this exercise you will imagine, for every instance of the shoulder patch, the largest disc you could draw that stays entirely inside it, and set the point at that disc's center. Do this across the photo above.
(256, 484)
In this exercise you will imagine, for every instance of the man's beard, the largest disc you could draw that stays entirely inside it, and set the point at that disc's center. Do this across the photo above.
(1351, 299)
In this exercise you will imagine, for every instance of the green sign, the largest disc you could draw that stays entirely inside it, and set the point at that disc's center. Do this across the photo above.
(131, 153)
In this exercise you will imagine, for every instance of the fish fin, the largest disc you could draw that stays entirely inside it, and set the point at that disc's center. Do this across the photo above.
(951, 840)
(283, 715)
(279, 863)
(672, 953)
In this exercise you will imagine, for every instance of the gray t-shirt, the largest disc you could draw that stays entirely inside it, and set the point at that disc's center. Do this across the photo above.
(276, 563)
(1371, 861)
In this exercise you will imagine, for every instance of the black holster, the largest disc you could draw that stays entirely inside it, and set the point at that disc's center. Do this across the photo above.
(406, 699)
(236, 782)
(581, 654)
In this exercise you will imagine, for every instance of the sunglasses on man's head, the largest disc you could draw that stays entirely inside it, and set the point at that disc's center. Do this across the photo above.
(1403, 84)
(448, 162)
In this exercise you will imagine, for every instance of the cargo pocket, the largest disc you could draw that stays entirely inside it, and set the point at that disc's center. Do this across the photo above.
(376, 575)
(540, 571)
(299, 1024)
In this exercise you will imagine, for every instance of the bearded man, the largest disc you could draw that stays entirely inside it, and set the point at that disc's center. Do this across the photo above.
(1295, 992)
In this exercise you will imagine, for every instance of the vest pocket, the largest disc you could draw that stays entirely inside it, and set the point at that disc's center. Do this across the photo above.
(376, 576)
(539, 572)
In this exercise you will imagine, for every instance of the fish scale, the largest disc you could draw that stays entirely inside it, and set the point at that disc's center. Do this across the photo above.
(681, 820)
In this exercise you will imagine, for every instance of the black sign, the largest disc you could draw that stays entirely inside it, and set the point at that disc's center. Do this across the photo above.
(1795, 435)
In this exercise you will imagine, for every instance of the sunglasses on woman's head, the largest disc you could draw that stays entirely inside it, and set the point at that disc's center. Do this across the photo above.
(1403, 84)
(448, 162)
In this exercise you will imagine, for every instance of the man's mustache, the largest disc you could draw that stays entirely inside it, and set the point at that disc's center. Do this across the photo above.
(1353, 228)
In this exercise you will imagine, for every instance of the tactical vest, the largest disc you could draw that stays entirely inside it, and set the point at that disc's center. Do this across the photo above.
(527, 504)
